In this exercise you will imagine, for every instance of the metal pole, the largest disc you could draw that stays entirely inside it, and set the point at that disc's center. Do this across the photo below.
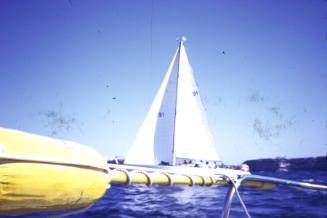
(228, 201)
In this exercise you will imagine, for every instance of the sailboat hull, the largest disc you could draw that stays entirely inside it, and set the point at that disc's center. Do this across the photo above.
(43, 174)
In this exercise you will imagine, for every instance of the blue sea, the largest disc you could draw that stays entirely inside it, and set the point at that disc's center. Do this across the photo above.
(185, 201)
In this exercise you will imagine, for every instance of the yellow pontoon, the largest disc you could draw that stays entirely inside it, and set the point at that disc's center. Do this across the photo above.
(39, 173)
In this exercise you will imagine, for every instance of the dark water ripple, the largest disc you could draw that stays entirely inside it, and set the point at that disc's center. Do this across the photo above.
(184, 201)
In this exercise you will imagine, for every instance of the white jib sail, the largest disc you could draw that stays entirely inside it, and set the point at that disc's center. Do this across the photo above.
(175, 126)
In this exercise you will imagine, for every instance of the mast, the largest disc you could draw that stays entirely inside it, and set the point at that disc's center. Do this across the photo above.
(181, 43)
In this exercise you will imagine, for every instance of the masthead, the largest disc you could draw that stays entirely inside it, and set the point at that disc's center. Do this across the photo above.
(183, 39)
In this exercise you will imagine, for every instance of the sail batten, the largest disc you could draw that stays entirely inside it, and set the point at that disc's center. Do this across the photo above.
(175, 126)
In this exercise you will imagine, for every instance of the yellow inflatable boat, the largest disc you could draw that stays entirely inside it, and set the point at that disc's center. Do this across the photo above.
(39, 173)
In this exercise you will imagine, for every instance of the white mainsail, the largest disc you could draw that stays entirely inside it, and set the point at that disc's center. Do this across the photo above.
(175, 127)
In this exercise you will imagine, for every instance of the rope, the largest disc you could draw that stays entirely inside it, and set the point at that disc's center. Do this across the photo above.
(204, 181)
(170, 180)
(211, 183)
(36, 159)
(110, 178)
(191, 179)
(149, 183)
(129, 179)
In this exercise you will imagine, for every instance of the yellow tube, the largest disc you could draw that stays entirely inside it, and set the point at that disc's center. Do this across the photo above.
(118, 176)
(28, 187)
(35, 176)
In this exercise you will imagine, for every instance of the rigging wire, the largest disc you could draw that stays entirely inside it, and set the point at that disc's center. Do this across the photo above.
(151, 30)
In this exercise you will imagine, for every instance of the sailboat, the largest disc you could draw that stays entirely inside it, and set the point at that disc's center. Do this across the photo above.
(175, 128)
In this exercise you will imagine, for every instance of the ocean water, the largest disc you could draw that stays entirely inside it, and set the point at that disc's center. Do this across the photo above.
(197, 201)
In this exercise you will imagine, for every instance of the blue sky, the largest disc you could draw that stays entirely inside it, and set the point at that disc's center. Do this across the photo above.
(88, 71)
